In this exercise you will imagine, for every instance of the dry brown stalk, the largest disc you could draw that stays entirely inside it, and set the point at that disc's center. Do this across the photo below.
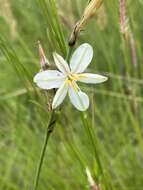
(89, 12)
(126, 31)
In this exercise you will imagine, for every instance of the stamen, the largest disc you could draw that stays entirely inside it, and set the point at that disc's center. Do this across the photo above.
(68, 82)
(75, 87)
(76, 77)
(72, 83)
(73, 77)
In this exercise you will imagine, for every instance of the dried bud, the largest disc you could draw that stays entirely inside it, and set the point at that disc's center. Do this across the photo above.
(89, 12)
(91, 9)
(43, 60)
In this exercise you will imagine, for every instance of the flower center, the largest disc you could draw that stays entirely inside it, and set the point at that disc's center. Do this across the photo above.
(71, 81)
(73, 77)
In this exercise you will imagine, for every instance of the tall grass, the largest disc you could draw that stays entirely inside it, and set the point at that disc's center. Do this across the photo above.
(108, 137)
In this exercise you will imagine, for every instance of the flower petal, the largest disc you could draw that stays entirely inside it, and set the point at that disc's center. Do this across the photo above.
(78, 98)
(49, 79)
(60, 95)
(61, 64)
(81, 58)
(91, 78)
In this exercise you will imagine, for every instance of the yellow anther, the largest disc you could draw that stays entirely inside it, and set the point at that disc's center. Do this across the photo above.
(72, 83)
(68, 82)
(75, 87)
(76, 77)
(73, 77)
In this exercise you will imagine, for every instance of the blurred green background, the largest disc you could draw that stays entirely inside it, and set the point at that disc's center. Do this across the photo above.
(110, 131)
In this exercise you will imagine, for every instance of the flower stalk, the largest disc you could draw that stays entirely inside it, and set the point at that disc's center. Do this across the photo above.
(44, 65)
(50, 129)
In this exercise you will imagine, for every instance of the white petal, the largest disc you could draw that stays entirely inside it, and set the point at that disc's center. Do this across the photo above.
(91, 78)
(60, 95)
(61, 64)
(78, 98)
(49, 79)
(81, 58)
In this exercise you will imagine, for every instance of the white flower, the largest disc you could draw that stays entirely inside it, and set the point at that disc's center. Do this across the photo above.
(66, 78)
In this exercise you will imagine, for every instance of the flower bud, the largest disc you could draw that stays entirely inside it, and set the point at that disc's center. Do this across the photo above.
(43, 60)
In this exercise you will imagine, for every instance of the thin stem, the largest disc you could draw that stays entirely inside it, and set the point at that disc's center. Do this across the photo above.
(92, 140)
(94, 143)
(69, 53)
(50, 128)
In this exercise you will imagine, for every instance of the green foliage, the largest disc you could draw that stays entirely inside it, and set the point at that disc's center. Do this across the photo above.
(108, 137)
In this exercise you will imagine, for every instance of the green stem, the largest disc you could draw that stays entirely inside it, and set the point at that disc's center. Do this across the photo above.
(94, 143)
(50, 128)
(69, 53)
